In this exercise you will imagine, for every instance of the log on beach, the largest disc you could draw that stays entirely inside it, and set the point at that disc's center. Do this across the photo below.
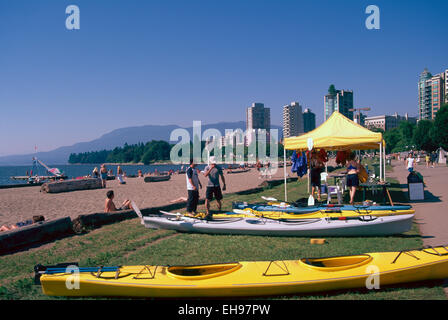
(85, 222)
(157, 178)
(36, 233)
(71, 185)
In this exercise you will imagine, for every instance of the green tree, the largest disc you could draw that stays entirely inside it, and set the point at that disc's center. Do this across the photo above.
(423, 136)
(392, 138)
(440, 132)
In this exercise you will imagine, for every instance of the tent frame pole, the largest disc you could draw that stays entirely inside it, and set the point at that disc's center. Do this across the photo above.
(381, 161)
(284, 174)
(384, 162)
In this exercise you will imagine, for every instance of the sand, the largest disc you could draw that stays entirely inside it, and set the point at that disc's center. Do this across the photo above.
(20, 204)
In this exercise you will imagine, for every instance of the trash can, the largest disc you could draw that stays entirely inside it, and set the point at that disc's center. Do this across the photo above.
(415, 186)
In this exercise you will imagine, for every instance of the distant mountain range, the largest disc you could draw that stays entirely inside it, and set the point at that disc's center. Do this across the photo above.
(117, 138)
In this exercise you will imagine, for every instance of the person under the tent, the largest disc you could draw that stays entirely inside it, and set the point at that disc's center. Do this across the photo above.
(352, 175)
(316, 169)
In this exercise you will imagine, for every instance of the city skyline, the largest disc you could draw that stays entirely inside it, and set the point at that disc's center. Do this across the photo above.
(134, 63)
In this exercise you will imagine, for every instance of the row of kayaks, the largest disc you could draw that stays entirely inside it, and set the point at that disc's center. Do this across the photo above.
(248, 278)
(280, 219)
(262, 278)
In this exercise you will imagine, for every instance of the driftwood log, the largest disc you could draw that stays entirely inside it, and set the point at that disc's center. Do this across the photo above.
(36, 233)
(157, 178)
(71, 185)
(238, 171)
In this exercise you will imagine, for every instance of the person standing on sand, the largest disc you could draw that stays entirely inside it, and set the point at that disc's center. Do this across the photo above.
(213, 172)
(103, 173)
(193, 185)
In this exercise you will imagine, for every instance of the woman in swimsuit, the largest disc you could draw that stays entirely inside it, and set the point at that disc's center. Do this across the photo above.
(352, 175)
(103, 172)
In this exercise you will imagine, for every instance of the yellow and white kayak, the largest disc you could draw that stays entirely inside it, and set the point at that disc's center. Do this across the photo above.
(249, 278)
(320, 214)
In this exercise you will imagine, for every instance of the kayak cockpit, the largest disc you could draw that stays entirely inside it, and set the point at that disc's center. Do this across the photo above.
(337, 263)
(202, 271)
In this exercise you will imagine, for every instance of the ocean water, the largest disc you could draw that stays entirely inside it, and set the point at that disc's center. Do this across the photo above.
(79, 170)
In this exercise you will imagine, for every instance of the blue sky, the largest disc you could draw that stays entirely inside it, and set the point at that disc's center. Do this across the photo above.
(171, 62)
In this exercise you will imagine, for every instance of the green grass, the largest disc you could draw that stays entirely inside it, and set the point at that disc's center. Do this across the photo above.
(128, 242)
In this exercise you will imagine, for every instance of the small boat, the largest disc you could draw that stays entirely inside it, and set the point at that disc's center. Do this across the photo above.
(157, 178)
(290, 212)
(331, 226)
(247, 278)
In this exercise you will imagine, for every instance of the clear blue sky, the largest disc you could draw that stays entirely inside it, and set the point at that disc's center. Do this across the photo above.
(171, 62)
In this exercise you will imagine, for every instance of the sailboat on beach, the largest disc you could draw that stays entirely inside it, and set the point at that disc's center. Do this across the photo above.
(33, 177)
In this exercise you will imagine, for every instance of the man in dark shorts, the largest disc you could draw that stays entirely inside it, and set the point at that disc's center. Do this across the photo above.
(213, 172)
(316, 169)
(193, 185)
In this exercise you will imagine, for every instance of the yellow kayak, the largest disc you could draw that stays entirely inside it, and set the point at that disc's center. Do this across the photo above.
(249, 278)
(320, 214)
(282, 210)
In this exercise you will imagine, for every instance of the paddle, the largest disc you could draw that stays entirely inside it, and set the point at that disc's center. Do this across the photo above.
(269, 198)
(137, 211)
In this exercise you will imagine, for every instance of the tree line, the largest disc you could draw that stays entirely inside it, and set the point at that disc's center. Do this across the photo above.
(138, 153)
(427, 135)
(159, 151)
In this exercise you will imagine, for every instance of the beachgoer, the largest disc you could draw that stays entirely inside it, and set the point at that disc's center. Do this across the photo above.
(316, 169)
(140, 174)
(22, 223)
(352, 175)
(410, 161)
(213, 172)
(95, 173)
(427, 159)
(103, 172)
(433, 159)
(193, 185)
(109, 205)
(120, 175)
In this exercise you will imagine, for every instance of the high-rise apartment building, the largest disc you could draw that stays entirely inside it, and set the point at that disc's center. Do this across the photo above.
(309, 120)
(292, 120)
(431, 93)
(338, 100)
(257, 118)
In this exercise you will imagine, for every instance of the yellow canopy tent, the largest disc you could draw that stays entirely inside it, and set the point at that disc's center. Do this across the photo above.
(338, 133)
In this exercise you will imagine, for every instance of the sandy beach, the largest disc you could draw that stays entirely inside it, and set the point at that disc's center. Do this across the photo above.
(19, 204)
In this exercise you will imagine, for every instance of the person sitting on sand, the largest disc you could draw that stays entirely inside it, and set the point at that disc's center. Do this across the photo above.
(109, 205)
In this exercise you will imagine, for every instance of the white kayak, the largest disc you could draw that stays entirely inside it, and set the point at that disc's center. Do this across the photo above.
(359, 226)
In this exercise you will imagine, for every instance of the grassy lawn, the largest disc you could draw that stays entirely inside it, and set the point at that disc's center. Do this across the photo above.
(129, 242)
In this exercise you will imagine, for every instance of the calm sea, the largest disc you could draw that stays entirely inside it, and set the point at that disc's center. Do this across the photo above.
(79, 170)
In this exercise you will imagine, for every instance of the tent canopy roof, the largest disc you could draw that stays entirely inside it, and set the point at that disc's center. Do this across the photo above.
(337, 133)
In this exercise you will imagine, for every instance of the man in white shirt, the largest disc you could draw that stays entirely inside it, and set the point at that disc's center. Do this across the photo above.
(193, 185)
